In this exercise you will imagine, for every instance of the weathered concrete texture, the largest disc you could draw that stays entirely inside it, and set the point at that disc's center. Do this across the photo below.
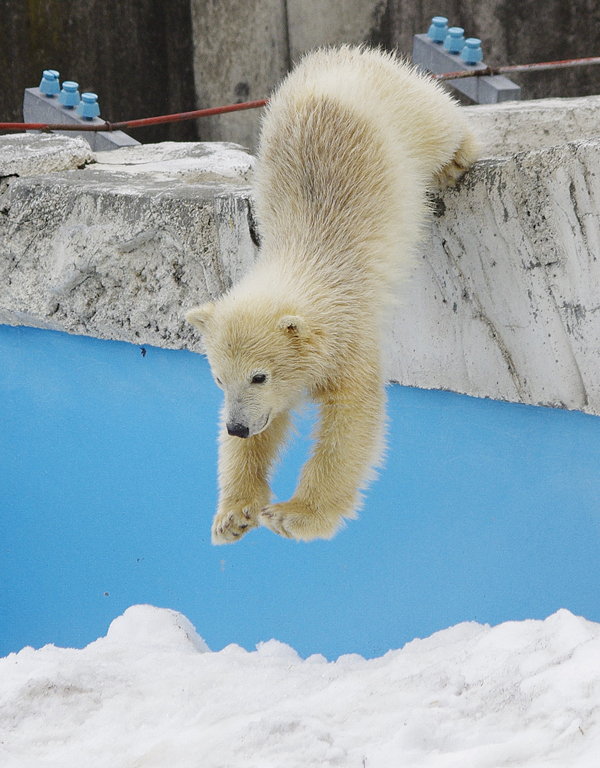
(185, 161)
(506, 301)
(241, 53)
(320, 22)
(23, 155)
(243, 50)
(505, 129)
(123, 247)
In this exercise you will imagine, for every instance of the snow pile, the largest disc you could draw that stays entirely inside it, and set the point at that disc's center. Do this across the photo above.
(151, 694)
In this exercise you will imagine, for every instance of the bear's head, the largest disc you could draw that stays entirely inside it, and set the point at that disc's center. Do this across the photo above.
(263, 357)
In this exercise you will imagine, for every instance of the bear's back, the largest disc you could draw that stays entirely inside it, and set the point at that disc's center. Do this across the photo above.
(417, 115)
(336, 162)
(350, 142)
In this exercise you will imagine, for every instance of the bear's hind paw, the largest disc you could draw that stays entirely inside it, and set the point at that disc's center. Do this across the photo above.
(465, 156)
(295, 520)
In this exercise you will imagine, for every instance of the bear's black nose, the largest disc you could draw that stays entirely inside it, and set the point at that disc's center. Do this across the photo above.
(238, 430)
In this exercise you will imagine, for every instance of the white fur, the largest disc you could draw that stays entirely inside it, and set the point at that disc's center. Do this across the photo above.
(350, 143)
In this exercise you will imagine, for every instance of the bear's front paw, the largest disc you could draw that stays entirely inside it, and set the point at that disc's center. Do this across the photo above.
(232, 521)
(296, 520)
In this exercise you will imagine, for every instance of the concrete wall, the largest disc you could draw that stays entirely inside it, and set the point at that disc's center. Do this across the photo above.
(503, 303)
(254, 43)
(241, 52)
(148, 57)
(119, 244)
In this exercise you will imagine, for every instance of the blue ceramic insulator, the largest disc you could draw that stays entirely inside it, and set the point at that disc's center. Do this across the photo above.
(69, 96)
(49, 83)
(455, 40)
(88, 107)
(438, 29)
(472, 53)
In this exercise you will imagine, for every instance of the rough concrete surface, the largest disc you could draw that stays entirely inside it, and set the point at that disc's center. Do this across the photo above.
(24, 155)
(514, 126)
(504, 301)
(316, 23)
(123, 247)
(241, 53)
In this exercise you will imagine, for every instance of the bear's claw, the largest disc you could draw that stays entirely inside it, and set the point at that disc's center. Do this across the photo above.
(230, 526)
(274, 522)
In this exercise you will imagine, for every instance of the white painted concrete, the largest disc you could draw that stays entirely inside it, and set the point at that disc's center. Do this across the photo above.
(121, 248)
(23, 155)
(505, 302)
(514, 126)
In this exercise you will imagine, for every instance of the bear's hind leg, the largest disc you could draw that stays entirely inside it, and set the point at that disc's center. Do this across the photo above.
(349, 442)
(244, 468)
(465, 156)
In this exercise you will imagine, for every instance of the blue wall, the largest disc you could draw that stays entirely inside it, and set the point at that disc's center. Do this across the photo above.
(485, 511)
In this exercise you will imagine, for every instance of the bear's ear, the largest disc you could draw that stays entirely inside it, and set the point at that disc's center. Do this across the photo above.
(294, 325)
(312, 339)
(199, 316)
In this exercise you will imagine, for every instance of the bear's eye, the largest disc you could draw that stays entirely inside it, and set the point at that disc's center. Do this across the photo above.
(259, 378)
(218, 380)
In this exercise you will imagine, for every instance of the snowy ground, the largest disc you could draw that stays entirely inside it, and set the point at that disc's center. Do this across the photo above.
(152, 694)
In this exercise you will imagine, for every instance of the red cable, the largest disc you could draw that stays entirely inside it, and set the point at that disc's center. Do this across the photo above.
(518, 68)
(106, 126)
(262, 102)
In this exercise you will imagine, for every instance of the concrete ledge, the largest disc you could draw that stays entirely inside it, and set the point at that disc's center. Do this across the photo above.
(27, 154)
(503, 303)
(518, 126)
(122, 247)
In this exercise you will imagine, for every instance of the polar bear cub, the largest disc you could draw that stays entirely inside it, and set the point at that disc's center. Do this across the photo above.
(350, 143)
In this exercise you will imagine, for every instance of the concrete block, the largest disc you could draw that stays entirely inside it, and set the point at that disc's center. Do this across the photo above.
(26, 154)
(37, 108)
(123, 247)
(433, 57)
(511, 127)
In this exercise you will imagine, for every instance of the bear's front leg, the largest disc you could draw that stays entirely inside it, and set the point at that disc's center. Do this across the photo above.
(244, 468)
(349, 442)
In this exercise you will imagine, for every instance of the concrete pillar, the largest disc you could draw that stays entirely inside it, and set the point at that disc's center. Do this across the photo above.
(314, 23)
(240, 54)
